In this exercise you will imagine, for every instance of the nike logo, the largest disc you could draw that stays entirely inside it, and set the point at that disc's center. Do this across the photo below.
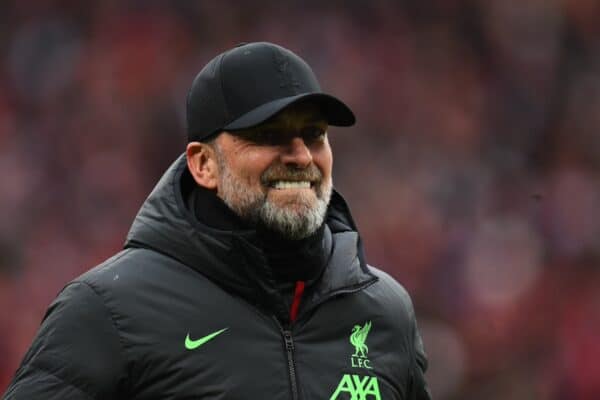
(194, 344)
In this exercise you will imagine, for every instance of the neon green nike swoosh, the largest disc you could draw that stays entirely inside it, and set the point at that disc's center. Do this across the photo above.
(194, 344)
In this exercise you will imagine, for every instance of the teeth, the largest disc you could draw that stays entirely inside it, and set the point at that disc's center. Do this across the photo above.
(291, 184)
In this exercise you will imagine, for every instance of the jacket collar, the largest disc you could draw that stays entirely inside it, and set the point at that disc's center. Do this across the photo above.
(230, 257)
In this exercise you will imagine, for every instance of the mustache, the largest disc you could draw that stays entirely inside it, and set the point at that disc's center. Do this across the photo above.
(281, 172)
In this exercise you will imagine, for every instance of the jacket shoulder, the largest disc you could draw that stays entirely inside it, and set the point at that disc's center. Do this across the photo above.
(390, 286)
(392, 295)
(77, 352)
(128, 268)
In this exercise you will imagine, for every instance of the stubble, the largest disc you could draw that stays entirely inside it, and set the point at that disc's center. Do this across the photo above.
(294, 219)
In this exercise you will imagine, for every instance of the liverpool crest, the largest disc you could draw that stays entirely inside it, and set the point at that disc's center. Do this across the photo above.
(358, 339)
(358, 386)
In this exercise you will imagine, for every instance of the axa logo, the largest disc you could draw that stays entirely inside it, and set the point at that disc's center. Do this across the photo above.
(358, 338)
(356, 387)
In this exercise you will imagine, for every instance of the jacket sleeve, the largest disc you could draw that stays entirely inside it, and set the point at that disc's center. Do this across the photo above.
(420, 389)
(76, 354)
(418, 386)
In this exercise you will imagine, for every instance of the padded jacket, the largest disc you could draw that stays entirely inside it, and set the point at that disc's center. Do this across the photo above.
(187, 311)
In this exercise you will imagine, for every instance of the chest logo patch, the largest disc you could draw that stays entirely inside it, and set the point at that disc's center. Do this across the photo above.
(194, 344)
(358, 339)
(356, 387)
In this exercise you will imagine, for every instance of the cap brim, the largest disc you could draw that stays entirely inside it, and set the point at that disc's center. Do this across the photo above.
(334, 110)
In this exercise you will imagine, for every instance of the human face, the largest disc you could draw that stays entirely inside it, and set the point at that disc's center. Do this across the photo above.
(278, 174)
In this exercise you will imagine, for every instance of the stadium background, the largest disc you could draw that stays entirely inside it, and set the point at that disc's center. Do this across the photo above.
(473, 171)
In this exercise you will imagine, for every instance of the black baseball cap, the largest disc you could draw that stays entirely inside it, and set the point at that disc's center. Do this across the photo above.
(250, 83)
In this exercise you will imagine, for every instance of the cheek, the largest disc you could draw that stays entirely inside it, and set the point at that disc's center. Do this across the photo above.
(251, 167)
(323, 159)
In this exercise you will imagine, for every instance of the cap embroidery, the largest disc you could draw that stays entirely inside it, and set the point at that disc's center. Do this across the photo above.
(286, 79)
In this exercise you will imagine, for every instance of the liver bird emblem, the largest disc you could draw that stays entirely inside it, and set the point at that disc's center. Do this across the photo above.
(358, 339)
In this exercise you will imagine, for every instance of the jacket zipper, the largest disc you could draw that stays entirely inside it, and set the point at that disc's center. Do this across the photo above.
(289, 348)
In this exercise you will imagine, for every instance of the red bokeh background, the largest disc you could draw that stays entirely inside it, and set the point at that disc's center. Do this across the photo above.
(473, 171)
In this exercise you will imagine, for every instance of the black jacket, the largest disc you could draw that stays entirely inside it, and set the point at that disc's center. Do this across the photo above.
(186, 311)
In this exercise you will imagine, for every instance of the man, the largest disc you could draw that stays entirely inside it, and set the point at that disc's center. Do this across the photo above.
(243, 275)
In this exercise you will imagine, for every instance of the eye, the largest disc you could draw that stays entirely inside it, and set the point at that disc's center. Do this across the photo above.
(266, 136)
(313, 134)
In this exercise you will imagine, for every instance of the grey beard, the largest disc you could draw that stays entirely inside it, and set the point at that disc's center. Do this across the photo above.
(255, 207)
(289, 224)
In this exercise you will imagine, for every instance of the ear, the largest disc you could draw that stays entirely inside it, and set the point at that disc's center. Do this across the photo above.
(202, 163)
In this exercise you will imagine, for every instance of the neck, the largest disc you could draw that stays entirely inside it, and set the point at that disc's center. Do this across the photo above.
(296, 260)
(209, 209)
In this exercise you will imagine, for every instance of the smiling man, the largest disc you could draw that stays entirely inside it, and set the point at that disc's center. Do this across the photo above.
(243, 275)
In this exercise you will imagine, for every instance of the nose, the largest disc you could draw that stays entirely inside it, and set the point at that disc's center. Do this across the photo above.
(297, 153)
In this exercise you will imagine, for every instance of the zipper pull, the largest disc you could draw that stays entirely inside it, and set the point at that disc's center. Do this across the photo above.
(289, 342)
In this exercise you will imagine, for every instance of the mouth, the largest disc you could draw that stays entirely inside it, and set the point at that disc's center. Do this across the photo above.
(282, 184)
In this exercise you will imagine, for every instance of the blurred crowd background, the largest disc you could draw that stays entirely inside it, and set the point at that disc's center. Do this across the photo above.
(473, 171)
